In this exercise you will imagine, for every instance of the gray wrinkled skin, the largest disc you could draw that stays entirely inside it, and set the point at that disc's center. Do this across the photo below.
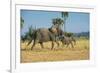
(44, 35)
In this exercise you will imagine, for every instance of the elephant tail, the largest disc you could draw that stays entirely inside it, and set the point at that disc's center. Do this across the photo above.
(34, 36)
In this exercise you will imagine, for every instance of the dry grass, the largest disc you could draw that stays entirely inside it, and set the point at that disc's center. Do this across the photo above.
(38, 54)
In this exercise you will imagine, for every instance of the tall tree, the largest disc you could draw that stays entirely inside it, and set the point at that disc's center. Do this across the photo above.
(64, 16)
(22, 22)
(57, 21)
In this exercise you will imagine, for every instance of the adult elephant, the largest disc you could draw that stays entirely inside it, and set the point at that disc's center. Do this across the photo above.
(42, 35)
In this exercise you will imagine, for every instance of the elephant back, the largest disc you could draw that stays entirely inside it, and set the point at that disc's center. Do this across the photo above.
(44, 35)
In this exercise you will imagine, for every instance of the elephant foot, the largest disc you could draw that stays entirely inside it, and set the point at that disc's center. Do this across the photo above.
(31, 48)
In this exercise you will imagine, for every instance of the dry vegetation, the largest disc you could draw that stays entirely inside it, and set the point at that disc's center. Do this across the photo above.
(38, 54)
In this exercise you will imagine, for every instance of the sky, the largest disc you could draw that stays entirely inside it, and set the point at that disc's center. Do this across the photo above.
(76, 21)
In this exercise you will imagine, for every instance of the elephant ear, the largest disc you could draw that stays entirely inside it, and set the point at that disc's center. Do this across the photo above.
(54, 30)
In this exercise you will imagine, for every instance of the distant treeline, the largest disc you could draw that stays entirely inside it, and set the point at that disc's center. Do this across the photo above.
(82, 34)
(78, 35)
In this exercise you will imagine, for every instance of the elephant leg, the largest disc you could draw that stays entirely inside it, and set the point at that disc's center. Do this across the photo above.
(41, 43)
(74, 40)
(72, 44)
(67, 43)
(57, 43)
(33, 45)
(63, 44)
(52, 45)
(29, 42)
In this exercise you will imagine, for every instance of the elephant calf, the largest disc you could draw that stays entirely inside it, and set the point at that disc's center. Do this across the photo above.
(67, 40)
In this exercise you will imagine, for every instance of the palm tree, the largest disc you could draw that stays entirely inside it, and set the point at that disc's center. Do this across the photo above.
(64, 16)
(57, 21)
(22, 22)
